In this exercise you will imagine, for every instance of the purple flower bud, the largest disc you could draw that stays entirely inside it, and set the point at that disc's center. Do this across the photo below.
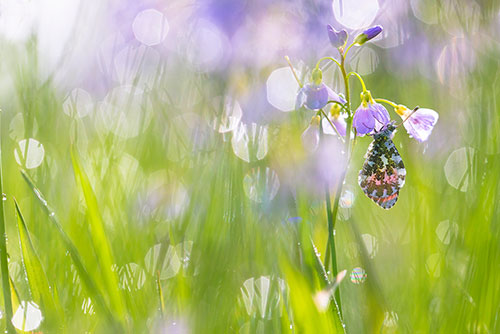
(337, 38)
(315, 97)
(368, 34)
(370, 116)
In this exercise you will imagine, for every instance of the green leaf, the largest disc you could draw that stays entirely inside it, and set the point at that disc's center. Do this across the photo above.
(37, 279)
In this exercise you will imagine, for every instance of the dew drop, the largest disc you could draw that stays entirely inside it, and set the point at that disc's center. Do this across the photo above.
(358, 275)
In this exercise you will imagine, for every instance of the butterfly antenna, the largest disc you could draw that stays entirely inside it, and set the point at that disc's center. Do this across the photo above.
(407, 117)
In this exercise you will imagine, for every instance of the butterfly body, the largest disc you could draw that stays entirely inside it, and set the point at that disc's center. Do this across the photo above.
(383, 173)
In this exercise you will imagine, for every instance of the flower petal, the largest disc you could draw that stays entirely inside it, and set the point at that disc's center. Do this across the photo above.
(339, 124)
(380, 113)
(334, 96)
(421, 123)
(363, 121)
(301, 97)
(316, 96)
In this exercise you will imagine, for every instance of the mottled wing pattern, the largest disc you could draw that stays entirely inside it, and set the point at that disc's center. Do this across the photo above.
(383, 172)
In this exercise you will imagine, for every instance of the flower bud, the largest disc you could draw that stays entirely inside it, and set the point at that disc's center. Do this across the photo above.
(368, 34)
(337, 38)
(317, 76)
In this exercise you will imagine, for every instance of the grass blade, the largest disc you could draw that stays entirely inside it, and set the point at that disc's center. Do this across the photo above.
(87, 280)
(37, 278)
(3, 257)
(99, 239)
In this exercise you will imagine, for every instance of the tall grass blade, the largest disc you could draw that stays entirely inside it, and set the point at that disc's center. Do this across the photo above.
(3, 256)
(99, 239)
(37, 278)
(88, 282)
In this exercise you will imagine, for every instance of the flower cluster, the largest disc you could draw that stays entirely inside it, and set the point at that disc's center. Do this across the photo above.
(370, 116)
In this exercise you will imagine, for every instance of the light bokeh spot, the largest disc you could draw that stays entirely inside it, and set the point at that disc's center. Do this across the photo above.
(27, 317)
(457, 168)
(78, 103)
(261, 184)
(249, 142)
(365, 61)
(227, 114)
(168, 267)
(282, 88)
(150, 27)
(355, 14)
(29, 153)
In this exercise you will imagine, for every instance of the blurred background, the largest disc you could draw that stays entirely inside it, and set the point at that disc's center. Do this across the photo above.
(161, 145)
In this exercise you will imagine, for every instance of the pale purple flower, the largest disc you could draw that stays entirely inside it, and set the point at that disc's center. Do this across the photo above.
(338, 122)
(368, 34)
(315, 97)
(418, 124)
(370, 116)
(337, 38)
(310, 136)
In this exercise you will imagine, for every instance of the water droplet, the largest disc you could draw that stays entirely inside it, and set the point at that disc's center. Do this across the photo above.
(347, 199)
(27, 317)
(358, 275)
(150, 27)
(4, 197)
(30, 155)
(261, 184)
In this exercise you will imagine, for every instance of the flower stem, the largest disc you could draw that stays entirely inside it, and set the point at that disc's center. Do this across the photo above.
(328, 58)
(332, 212)
(293, 71)
(359, 78)
(392, 104)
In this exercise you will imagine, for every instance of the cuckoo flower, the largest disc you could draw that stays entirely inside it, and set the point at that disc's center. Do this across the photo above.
(337, 38)
(367, 35)
(419, 123)
(310, 136)
(370, 115)
(337, 120)
(316, 95)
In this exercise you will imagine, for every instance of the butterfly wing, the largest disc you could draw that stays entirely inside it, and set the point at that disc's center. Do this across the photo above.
(383, 173)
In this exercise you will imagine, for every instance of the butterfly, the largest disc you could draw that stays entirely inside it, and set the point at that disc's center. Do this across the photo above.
(383, 173)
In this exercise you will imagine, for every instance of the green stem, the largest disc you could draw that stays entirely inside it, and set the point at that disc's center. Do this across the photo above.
(328, 58)
(332, 213)
(359, 78)
(3, 256)
(392, 104)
